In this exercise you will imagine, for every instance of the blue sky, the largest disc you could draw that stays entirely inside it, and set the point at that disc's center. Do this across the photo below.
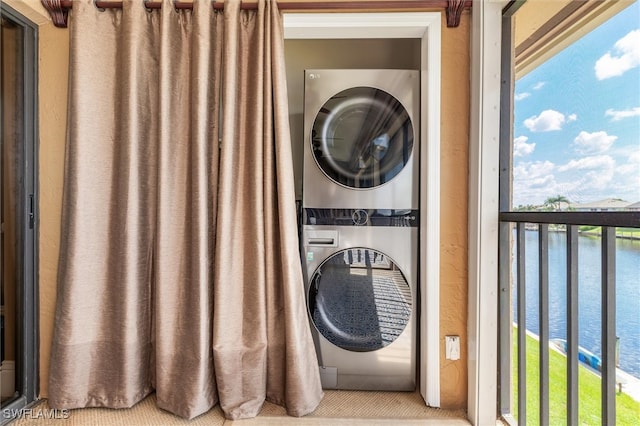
(577, 119)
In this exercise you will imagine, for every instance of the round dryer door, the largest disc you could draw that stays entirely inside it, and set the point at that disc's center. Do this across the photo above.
(359, 300)
(362, 137)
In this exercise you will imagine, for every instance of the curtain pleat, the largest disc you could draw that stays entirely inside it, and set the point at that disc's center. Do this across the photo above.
(179, 270)
(187, 180)
(293, 379)
(103, 321)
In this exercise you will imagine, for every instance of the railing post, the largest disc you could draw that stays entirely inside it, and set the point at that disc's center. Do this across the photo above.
(608, 318)
(505, 320)
(543, 317)
(572, 325)
(522, 327)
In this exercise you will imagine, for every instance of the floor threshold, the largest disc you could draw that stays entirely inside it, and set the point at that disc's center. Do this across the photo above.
(336, 408)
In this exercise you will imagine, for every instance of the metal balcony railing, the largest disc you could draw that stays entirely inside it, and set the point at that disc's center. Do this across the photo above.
(510, 313)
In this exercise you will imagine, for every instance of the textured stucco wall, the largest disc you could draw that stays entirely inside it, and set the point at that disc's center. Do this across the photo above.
(454, 173)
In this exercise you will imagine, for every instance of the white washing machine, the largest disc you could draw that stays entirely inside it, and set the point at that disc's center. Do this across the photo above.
(361, 139)
(361, 292)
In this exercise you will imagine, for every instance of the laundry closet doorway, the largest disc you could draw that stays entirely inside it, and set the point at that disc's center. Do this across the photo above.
(392, 41)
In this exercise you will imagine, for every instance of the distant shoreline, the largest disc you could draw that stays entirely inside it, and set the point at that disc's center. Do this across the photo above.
(634, 236)
(618, 235)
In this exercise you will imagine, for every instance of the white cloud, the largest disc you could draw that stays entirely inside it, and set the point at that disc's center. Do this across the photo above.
(539, 85)
(532, 181)
(593, 143)
(627, 182)
(589, 163)
(627, 179)
(632, 167)
(624, 56)
(521, 148)
(532, 170)
(598, 181)
(591, 176)
(572, 117)
(547, 121)
(584, 179)
(619, 115)
(542, 182)
(521, 96)
(579, 179)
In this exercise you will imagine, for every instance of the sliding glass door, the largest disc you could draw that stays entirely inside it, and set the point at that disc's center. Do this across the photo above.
(18, 213)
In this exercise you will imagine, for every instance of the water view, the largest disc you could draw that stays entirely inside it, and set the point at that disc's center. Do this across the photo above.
(627, 293)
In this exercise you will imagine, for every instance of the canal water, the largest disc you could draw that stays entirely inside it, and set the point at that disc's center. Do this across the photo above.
(589, 308)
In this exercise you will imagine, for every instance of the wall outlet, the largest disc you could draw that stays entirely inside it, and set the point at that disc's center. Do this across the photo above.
(452, 347)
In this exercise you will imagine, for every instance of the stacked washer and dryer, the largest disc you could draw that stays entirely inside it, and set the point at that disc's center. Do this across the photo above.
(360, 225)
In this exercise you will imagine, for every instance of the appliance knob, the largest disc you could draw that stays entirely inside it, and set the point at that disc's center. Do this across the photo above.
(360, 217)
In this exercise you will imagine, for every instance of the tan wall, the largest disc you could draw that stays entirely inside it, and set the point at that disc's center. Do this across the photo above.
(54, 49)
(454, 175)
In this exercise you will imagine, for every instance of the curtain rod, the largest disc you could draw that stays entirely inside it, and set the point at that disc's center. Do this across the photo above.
(59, 9)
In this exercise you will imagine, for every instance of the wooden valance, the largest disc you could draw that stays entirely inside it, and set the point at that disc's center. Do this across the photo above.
(59, 9)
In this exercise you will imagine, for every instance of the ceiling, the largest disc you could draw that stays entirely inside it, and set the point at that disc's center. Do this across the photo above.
(545, 27)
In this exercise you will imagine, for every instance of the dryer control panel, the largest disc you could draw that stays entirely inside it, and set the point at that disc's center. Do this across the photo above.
(361, 217)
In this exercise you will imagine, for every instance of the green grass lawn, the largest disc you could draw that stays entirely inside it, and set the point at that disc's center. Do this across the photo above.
(620, 232)
(627, 409)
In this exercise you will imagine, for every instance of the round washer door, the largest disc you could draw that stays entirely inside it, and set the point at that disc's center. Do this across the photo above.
(362, 137)
(359, 300)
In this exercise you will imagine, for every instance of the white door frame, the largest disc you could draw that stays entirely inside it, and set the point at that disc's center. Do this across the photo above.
(425, 26)
(484, 169)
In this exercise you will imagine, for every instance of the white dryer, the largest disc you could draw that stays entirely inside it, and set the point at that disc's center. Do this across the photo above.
(361, 293)
(361, 139)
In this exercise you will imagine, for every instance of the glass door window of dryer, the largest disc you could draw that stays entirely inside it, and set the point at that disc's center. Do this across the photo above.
(362, 137)
(359, 300)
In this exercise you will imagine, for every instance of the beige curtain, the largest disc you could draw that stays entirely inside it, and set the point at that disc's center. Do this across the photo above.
(179, 267)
